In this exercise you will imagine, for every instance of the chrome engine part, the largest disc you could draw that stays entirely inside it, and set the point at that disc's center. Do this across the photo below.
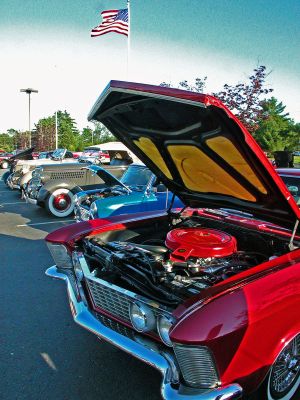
(190, 260)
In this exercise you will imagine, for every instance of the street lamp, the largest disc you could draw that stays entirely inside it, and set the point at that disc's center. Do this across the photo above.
(29, 91)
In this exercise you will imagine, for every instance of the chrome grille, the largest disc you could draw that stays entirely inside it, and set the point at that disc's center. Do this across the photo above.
(68, 175)
(115, 326)
(197, 366)
(110, 300)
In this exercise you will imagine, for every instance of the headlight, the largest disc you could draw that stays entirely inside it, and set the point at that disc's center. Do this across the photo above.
(164, 324)
(60, 255)
(142, 317)
(93, 211)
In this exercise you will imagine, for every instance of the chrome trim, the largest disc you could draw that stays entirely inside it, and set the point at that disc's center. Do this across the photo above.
(144, 349)
(29, 199)
(197, 365)
(103, 291)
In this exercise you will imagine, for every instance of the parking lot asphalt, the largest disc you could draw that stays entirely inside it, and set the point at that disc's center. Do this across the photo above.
(43, 353)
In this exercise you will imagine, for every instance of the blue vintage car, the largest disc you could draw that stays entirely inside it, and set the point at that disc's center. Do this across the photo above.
(137, 190)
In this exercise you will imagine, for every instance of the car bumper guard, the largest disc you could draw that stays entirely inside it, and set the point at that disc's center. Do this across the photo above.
(142, 348)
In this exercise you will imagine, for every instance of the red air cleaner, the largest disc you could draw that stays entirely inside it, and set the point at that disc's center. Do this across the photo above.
(199, 243)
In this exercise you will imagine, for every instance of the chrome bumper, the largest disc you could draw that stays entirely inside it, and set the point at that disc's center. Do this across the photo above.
(12, 185)
(143, 349)
(30, 200)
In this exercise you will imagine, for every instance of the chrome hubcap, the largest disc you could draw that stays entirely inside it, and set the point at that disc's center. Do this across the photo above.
(286, 369)
(62, 202)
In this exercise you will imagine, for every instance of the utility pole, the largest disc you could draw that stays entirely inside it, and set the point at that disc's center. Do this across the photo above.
(56, 131)
(29, 91)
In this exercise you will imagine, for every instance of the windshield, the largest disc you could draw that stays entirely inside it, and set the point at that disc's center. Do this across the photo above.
(58, 153)
(136, 175)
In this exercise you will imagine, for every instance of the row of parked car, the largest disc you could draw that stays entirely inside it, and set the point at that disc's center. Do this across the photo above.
(92, 191)
(207, 293)
(64, 186)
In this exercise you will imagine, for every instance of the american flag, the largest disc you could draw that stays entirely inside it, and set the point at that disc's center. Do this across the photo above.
(113, 21)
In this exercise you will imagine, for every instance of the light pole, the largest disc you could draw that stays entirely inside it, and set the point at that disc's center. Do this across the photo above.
(29, 91)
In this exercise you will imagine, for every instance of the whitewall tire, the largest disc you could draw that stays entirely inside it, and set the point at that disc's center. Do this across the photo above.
(60, 203)
(4, 165)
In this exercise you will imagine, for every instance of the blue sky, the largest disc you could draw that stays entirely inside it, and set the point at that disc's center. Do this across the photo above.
(46, 45)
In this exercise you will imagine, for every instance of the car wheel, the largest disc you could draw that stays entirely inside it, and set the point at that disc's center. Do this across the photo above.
(60, 203)
(283, 379)
(4, 165)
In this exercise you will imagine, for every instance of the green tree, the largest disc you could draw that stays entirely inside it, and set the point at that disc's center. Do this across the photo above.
(102, 134)
(43, 137)
(68, 134)
(6, 142)
(276, 130)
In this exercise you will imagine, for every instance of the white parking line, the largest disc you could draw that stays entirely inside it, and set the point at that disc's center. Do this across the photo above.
(45, 223)
(9, 204)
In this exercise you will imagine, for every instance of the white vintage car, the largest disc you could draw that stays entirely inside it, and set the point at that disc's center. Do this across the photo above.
(21, 171)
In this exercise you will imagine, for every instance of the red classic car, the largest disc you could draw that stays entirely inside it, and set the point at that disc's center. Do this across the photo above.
(208, 294)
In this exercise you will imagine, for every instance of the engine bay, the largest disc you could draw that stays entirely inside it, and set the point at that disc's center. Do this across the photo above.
(170, 263)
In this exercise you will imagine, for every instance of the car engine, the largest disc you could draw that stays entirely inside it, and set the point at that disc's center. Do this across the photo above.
(189, 260)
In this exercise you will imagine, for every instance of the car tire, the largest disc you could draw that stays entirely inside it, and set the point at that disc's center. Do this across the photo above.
(60, 203)
(4, 164)
(283, 379)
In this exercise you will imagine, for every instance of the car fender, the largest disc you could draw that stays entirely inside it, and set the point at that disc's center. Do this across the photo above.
(52, 185)
(110, 206)
(247, 327)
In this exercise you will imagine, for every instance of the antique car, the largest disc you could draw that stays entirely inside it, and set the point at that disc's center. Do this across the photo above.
(21, 173)
(45, 154)
(137, 190)
(18, 157)
(4, 159)
(208, 296)
(53, 186)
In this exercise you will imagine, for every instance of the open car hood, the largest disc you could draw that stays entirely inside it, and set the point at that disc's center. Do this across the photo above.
(198, 149)
(23, 155)
(108, 178)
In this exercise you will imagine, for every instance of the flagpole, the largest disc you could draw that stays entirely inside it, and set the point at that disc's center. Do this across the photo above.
(128, 40)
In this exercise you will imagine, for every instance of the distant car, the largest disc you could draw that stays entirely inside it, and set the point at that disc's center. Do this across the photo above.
(137, 190)
(4, 159)
(296, 153)
(291, 177)
(95, 156)
(45, 154)
(21, 173)
(77, 154)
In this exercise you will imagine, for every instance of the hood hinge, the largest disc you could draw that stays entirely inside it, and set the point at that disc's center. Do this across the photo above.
(291, 244)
